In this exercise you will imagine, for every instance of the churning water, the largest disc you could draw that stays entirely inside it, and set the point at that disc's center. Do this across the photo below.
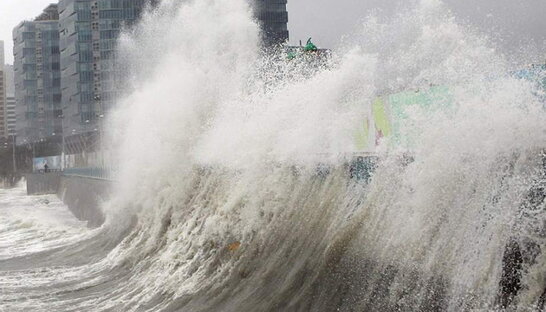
(235, 194)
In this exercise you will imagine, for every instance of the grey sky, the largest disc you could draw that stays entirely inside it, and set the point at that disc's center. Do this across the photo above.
(12, 12)
(510, 21)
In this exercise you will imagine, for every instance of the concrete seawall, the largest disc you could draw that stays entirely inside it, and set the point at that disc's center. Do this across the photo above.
(83, 195)
(43, 183)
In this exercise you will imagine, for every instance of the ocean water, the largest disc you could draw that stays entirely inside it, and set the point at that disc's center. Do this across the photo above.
(219, 205)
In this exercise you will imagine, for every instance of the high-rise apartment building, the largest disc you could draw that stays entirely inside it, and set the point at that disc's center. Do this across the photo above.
(10, 115)
(89, 30)
(10, 100)
(3, 108)
(66, 66)
(37, 77)
(273, 16)
(10, 88)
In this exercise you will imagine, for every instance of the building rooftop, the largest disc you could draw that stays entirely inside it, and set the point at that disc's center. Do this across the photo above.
(50, 13)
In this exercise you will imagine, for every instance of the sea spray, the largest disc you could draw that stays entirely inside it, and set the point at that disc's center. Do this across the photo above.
(219, 148)
(235, 192)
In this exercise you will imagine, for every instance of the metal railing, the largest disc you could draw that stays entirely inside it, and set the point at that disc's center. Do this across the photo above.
(91, 172)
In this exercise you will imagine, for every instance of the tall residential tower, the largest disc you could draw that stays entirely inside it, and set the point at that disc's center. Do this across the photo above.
(11, 120)
(37, 77)
(89, 30)
(3, 90)
(66, 69)
(273, 16)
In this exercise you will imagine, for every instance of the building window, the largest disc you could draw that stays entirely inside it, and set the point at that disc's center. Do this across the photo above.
(86, 76)
(86, 56)
(85, 35)
(56, 83)
(29, 52)
(28, 35)
(86, 97)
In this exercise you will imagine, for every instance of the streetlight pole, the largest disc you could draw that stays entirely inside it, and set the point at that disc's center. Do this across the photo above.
(63, 160)
(101, 144)
(13, 146)
(63, 137)
(33, 152)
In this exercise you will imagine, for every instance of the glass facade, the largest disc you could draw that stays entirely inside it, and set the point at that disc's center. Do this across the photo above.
(89, 30)
(11, 116)
(3, 91)
(65, 61)
(273, 17)
(37, 77)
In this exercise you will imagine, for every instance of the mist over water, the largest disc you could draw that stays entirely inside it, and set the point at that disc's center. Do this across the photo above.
(221, 205)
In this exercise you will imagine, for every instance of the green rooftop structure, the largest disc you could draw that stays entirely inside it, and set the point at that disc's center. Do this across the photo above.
(310, 46)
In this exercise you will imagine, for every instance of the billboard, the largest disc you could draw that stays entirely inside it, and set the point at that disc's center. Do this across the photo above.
(391, 117)
(52, 162)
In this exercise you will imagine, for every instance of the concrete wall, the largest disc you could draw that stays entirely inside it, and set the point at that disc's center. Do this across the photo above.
(84, 197)
(43, 183)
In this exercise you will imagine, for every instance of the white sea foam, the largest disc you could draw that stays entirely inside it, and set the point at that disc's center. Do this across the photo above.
(219, 144)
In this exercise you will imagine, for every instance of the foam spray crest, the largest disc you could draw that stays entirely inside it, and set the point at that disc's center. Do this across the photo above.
(234, 192)
(210, 144)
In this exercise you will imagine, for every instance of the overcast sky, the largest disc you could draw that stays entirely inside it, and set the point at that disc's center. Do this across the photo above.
(511, 21)
(12, 12)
